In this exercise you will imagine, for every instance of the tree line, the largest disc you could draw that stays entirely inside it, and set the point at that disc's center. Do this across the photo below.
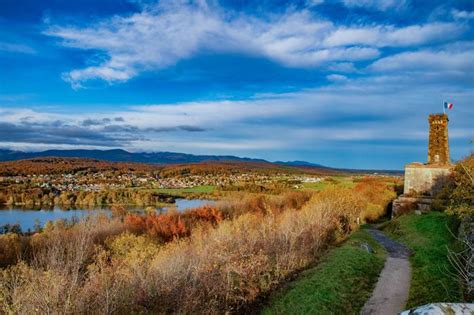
(48, 197)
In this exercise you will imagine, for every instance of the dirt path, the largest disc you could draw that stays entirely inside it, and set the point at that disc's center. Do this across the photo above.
(391, 293)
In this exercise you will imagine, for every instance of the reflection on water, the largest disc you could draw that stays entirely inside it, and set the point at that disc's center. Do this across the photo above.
(27, 218)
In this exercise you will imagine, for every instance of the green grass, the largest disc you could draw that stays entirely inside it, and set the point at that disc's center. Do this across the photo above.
(315, 186)
(339, 284)
(428, 236)
(179, 191)
(338, 181)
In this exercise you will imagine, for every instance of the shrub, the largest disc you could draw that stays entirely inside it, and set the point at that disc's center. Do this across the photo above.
(377, 194)
(86, 269)
(372, 212)
(461, 199)
(118, 211)
(11, 247)
(263, 204)
(171, 225)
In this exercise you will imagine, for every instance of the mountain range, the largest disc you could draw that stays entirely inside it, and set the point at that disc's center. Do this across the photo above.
(166, 158)
(118, 155)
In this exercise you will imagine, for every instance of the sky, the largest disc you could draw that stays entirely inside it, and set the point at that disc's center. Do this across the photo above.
(343, 83)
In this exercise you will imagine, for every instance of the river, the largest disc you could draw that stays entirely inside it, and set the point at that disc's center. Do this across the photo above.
(27, 218)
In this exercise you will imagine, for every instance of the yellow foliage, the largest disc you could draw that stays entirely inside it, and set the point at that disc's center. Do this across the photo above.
(94, 267)
(372, 212)
(10, 249)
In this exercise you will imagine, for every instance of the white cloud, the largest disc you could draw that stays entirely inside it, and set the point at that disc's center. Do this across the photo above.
(381, 5)
(148, 40)
(368, 109)
(16, 48)
(336, 78)
(382, 36)
(461, 62)
(165, 33)
(457, 14)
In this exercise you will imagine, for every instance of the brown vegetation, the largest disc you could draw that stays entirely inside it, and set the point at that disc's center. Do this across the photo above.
(55, 165)
(71, 166)
(171, 225)
(378, 195)
(205, 260)
(95, 267)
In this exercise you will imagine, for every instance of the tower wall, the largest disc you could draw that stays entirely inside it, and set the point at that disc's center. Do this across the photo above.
(438, 147)
(424, 181)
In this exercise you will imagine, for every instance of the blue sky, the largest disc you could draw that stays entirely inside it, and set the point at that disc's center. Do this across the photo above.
(342, 83)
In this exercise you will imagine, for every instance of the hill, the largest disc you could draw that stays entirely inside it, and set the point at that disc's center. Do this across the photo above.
(118, 155)
(61, 165)
(174, 158)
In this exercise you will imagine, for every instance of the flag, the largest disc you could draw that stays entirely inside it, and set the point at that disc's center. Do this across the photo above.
(448, 105)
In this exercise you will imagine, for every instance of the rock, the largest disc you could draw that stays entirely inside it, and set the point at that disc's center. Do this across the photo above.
(441, 309)
(367, 248)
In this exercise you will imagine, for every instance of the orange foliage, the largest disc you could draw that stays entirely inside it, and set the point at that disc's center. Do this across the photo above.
(263, 204)
(375, 191)
(52, 165)
(171, 225)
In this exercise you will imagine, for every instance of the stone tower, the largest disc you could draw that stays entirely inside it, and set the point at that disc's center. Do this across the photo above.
(438, 147)
(424, 181)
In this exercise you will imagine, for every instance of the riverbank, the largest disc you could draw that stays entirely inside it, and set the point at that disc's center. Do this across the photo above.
(29, 219)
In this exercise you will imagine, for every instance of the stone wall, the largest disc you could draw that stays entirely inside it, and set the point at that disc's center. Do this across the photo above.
(425, 179)
(438, 147)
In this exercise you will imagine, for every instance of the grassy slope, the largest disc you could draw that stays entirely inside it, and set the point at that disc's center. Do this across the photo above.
(339, 284)
(428, 236)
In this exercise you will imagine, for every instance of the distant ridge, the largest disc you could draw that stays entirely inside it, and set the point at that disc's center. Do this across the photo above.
(165, 158)
(118, 155)
(300, 163)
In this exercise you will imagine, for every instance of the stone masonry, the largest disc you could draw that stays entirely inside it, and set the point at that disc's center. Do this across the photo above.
(424, 181)
(438, 147)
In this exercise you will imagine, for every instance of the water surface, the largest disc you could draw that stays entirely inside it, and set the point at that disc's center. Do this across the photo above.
(27, 218)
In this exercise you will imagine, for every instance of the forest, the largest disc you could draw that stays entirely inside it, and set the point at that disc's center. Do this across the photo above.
(45, 198)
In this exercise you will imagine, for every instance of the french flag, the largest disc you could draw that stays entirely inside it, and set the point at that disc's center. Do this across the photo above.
(448, 105)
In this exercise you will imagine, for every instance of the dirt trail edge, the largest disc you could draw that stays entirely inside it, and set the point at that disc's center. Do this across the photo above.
(391, 292)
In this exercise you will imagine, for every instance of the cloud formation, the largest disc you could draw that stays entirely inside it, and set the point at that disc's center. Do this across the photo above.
(376, 4)
(334, 82)
(165, 33)
(372, 111)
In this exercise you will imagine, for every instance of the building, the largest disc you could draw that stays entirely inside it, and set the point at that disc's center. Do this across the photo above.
(424, 180)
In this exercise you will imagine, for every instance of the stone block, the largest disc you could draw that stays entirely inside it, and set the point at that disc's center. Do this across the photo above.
(422, 179)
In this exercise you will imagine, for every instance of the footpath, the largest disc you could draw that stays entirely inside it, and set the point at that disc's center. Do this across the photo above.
(391, 292)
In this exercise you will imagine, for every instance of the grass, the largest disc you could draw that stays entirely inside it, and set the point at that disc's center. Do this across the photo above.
(315, 186)
(339, 284)
(428, 236)
(178, 191)
(334, 181)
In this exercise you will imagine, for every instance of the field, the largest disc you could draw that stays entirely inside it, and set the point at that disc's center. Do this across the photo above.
(331, 181)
